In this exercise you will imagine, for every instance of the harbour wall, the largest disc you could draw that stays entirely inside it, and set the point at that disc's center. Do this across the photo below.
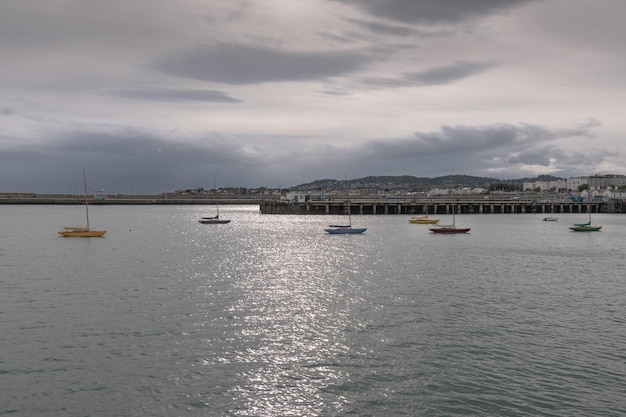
(164, 199)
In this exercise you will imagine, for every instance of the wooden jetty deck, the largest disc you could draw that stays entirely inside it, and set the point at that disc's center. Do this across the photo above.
(438, 206)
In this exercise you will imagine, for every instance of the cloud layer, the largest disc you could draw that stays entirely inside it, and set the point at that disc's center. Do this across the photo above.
(154, 97)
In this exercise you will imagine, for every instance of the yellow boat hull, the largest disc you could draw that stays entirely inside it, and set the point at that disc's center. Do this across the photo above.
(82, 233)
(424, 221)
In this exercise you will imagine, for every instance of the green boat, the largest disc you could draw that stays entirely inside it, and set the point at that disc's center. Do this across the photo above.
(586, 227)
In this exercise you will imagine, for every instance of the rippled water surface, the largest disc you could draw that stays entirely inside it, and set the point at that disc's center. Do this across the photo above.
(270, 316)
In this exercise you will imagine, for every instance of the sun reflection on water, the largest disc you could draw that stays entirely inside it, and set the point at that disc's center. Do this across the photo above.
(296, 293)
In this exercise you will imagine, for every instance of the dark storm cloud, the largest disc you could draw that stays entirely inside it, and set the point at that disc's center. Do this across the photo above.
(428, 11)
(163, 94)
(243, 64)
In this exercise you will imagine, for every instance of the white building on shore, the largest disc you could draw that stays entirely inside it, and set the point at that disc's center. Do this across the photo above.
(545, 185)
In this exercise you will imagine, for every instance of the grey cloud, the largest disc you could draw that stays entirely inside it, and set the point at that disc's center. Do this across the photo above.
(432, 76)
(537, 156)
(432, 12)
(474, 150)
(385, 28)
(82, 24)
(241, 64)
(162, 94)
(449, 73)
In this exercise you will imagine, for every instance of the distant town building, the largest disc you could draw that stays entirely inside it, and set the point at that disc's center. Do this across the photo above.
(573, 183)
(615, 194)
(599, 182)
(296, 197)
(545, 185)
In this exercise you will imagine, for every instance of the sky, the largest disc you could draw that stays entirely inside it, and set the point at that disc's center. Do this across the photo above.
(152, 96)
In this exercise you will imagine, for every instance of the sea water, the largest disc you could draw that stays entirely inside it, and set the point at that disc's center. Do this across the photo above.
(271, 316)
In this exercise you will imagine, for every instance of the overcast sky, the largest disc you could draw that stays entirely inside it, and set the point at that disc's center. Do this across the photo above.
(151, 96)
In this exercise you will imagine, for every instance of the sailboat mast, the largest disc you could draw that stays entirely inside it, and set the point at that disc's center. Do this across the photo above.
(217, 204)
(85, 194)
(453, 218)
(347, 191)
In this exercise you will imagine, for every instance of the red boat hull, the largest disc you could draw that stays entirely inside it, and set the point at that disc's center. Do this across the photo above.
(449, 230)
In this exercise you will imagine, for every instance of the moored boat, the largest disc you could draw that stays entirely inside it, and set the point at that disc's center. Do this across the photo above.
(450, 228)
(423, 220)
(345, 229)
(214, 219)
(586, 227)
(82, 231)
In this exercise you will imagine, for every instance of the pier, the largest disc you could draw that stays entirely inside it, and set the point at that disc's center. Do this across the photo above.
(436, 206)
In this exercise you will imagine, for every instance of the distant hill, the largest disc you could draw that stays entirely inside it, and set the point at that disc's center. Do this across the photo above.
(409, 182)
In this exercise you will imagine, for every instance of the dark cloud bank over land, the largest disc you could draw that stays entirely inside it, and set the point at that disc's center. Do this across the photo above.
(125, 162)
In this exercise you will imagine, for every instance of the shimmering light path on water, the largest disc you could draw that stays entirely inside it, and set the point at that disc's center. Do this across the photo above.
(270, 316)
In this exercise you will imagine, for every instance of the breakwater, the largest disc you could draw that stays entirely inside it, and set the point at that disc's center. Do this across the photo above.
(121, 199)
(372, 206)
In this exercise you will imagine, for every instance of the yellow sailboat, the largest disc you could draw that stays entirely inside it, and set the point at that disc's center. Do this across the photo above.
(82, 231)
